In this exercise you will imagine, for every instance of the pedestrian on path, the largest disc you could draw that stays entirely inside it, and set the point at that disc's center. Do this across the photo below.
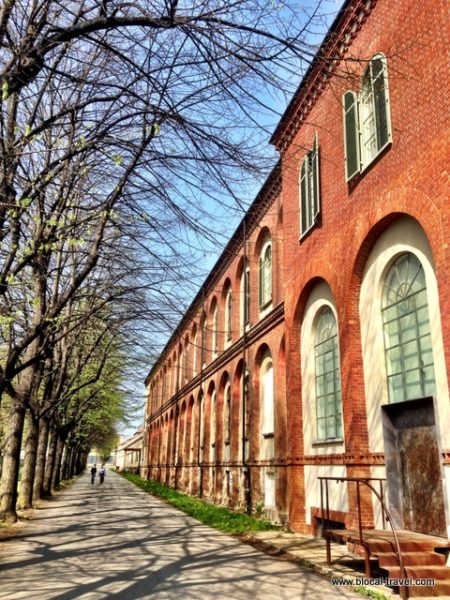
(93, 473)
(102, 473)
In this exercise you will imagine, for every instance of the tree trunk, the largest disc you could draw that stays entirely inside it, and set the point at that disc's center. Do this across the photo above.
(50, 464)
(40, 459)
(67, 462)
(56, 477)
(29, 464)
(81, 459)
(11, 463)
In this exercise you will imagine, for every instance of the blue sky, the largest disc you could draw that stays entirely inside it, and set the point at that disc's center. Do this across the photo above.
(221, 219)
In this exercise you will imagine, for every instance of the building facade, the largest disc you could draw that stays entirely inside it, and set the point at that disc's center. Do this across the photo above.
(319, 345)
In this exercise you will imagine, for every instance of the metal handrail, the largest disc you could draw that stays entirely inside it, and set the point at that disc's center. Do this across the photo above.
(386, 516)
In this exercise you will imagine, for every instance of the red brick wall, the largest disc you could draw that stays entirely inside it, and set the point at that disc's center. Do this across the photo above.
(410, 177)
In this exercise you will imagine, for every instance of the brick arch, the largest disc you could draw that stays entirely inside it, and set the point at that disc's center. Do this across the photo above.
(263, 235)
(369, 232)
(242, 263)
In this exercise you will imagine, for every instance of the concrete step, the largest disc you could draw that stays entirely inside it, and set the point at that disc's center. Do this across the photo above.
(442, 588)
(388, 559)
(421, 572)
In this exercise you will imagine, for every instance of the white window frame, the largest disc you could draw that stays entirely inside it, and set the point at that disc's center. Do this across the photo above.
(228, 317)
(214, 332)
(245, 298)
(319, 353)
(227, 414)
(267, 395)
(265, 274)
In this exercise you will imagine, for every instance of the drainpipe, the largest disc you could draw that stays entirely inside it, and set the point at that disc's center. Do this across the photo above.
(201, 406)
(177, 416)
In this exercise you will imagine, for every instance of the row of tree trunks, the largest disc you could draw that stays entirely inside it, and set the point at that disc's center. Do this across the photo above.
(47, 461)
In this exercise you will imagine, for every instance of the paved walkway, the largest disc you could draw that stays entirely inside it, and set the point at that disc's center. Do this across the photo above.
(114, 541)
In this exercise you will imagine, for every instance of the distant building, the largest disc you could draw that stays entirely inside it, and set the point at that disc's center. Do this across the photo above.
(319, 345)
(127, 456)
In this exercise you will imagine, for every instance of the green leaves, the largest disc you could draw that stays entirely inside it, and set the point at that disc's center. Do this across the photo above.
(5, 90)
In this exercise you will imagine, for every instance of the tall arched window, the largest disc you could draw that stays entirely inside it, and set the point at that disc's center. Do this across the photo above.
(186, 358)
(228, 316)
(194, 353)
(213, 422)
(204, 341)
(227, 414)
(245, 297)
(267, 396)
(214, 330)
(265, 273)
(201, 426)
(328, 376)
(407, 332)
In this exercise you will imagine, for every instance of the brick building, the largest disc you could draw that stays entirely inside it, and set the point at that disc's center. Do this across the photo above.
(319, 344)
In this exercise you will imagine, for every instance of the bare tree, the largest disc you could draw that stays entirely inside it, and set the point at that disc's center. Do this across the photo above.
(116, 119)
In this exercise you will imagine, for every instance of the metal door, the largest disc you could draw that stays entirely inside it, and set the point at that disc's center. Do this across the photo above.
(413, 466)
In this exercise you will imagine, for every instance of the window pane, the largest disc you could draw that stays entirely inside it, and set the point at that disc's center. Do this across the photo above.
(331, 427)
(395, 388)
(413, 384)
(393, 361)
(391, 336)
(321, 429)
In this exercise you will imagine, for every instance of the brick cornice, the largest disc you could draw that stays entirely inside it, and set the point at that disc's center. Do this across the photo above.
(341, 34)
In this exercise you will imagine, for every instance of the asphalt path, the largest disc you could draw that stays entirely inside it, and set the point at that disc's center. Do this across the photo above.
(114, 541)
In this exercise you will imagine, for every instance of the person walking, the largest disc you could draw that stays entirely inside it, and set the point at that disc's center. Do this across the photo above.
(102, 473)
(93, 473)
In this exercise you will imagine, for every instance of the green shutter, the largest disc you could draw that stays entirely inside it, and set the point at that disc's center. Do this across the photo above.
(351, 135)
(316, 180)
(304, 196)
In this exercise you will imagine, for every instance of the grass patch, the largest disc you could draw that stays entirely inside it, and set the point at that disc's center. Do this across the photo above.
(363, 591)
(218, 517)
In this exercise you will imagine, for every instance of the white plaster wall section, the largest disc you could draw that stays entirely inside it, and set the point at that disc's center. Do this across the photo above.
(320, 296)
(446, 483)
(405, 235)
(378, 472)
(337, 498)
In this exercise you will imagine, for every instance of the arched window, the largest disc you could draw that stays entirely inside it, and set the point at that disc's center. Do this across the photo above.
(186, 359)
(267, 396)
(204, 341)
(407, 332)
(265, 274)
(228, 315)
(201, 426)
(214, 330)
(194, 353)
(227, 414)
(213, 422)
(328, 376)
(245, 297)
